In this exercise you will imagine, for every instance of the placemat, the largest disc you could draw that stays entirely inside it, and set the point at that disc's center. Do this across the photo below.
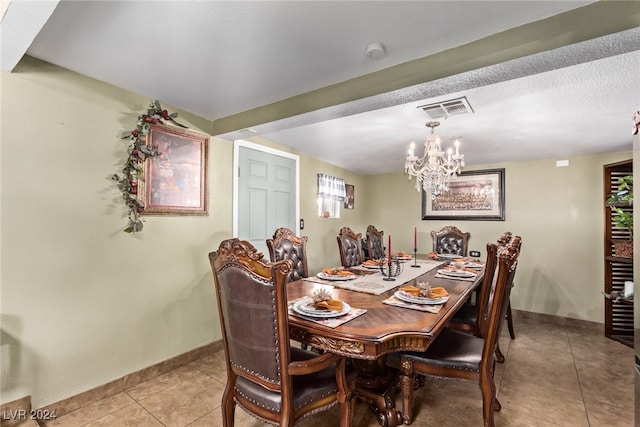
(430, 308)
(332, 322)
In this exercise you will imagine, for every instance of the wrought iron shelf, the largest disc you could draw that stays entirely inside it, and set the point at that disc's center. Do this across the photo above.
(618, 312)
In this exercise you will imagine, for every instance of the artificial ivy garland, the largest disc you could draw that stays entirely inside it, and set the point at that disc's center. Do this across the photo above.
(138, 152)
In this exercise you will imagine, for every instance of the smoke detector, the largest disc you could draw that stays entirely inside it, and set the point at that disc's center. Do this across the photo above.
(375, 51)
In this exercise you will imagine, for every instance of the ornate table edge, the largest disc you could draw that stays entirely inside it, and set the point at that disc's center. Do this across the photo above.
(359, 349)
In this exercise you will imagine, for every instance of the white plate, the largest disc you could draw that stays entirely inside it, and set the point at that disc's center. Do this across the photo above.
(461, 274)
(322, 275)
(474, 265)
(373, 267)
(449, 256)
(404, 296)
(305, 308)
(406, 258)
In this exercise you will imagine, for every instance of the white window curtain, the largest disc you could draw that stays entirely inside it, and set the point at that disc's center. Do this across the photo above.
(331, 194)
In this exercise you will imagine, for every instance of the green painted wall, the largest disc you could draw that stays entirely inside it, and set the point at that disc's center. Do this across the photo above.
(84, 303)
(558, 212)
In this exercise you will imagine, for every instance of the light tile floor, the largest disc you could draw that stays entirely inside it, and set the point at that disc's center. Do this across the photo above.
(553, 376)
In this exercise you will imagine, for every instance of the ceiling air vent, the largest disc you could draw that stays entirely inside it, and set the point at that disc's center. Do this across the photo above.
(444, 109)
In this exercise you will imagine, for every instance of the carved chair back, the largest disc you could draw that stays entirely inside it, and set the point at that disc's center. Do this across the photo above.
(375, 243)
(350, 247)
(450, 240)
(286, 245)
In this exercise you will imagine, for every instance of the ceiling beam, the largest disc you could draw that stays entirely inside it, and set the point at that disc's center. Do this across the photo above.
(582, 24)
(19, 26)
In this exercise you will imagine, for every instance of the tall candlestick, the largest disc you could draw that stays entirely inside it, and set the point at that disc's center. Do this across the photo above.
(389, 247)
(415, 247)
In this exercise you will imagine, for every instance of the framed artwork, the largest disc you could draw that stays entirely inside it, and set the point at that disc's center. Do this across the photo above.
(473, 195)
(175, 181)
(349, 201)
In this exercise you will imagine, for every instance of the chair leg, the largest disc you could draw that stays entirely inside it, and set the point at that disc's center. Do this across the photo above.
(499, 355)
(489, 401)
(228, 406)
(406, 385)
(510, 322)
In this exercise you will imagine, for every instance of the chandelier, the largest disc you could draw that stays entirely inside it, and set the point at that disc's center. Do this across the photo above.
(435, 167)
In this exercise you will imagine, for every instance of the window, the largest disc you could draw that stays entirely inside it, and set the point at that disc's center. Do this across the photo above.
(331, 195)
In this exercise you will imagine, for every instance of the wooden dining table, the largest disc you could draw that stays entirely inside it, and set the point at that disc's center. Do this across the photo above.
(384, 329)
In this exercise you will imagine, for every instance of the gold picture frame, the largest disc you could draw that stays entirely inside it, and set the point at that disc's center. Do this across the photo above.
(175, 181)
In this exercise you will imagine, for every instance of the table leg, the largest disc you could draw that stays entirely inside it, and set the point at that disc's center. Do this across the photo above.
(377, 384)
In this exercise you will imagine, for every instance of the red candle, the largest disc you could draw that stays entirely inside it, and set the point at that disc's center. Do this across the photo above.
(389, 247)
(415, 239)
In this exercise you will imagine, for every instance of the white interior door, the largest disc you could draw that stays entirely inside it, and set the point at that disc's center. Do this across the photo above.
(265, 193)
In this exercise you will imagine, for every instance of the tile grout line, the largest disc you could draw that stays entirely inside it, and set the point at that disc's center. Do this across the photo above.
(137, 402)
(204, 415)
(192, 366)
(573, 357)
(149, 412)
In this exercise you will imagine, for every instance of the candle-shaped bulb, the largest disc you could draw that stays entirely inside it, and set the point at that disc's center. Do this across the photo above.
(457, 144)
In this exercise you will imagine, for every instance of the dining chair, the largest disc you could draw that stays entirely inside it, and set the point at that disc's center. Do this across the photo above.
(266, 376)
(450, 240)
(350, 247)
(286, 245)
(365, 249)
(503, 241)
(468, 317)
(459, 355)
(375, 243)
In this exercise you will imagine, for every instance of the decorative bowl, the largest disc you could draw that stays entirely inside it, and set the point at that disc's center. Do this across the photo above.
(392, 269)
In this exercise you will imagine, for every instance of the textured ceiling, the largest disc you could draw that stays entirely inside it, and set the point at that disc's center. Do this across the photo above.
(556, 114)
(280, 68)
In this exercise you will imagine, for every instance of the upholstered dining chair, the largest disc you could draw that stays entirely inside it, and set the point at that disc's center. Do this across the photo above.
(504, 241)
(375, 243)
(350, 247)
(459, 355)
(286, 245)
(450, 240)
(266, 376)
(468, 317)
